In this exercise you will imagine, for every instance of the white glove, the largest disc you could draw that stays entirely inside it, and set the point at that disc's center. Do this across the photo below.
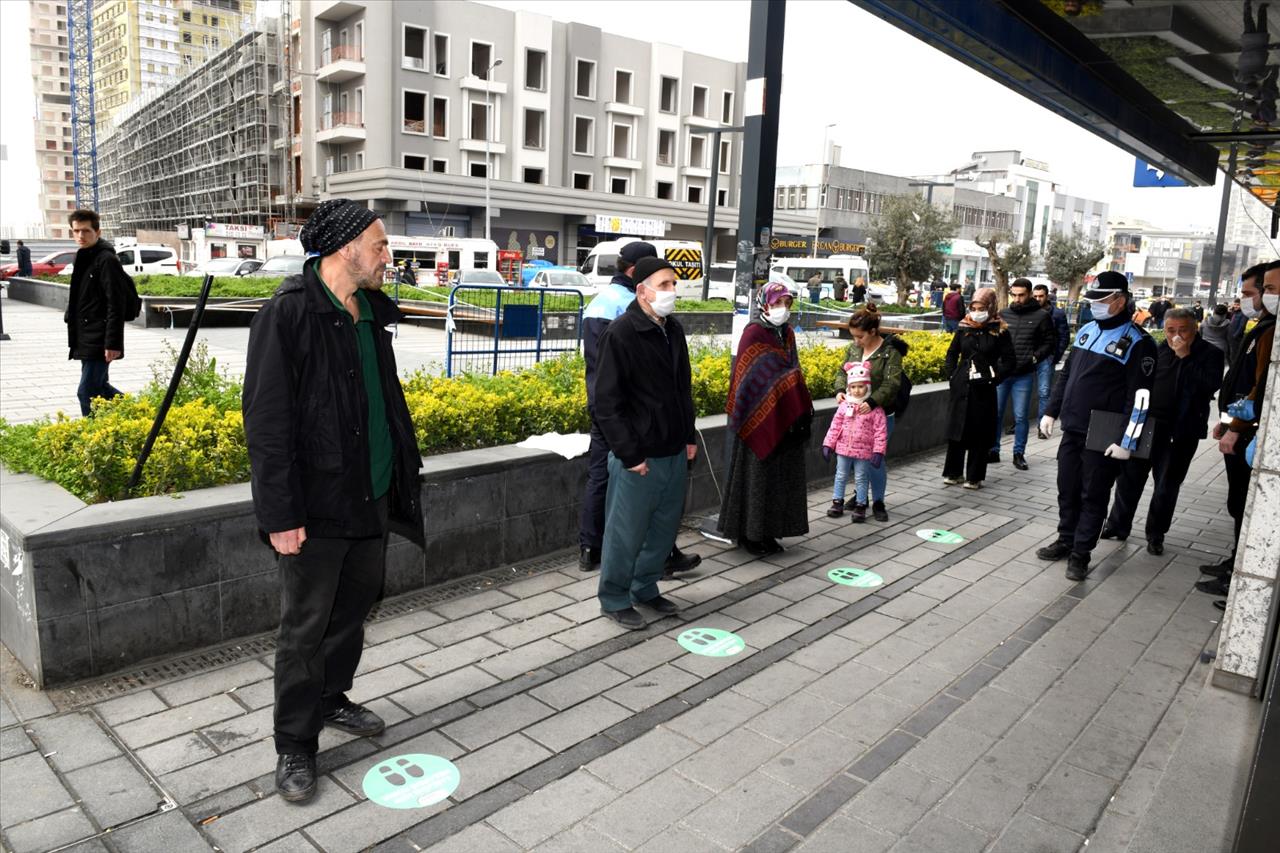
(1115, 451)
(1046, 425)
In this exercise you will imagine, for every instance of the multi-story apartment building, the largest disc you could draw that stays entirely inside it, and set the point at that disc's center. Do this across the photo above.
(51, 80)
(1249, 224)
(1174, 262)
(408, 106)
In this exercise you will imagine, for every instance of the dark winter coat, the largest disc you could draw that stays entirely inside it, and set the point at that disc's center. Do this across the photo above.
(1031, 329)
(1062, 333)
(1111, 361)
(24, 260)
(886, 371)
(94, 318)
(1182, 387)
(987, 351)
(306, 414)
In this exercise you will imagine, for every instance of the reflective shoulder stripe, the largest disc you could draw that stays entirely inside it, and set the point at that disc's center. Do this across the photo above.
(610, 304)
(1137, 419)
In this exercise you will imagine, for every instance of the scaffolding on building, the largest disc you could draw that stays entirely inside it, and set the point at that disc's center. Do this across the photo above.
(84, 144)
(200, 151)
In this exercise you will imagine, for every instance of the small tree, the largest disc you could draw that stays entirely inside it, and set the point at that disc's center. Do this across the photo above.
(1013, 261)
(1069, 258)
(907, 241)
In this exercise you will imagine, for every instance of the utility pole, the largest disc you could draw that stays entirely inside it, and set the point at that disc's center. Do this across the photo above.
(711, 203)
(1220, 240)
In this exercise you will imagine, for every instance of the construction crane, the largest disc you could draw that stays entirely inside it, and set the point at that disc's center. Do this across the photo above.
(84, 132)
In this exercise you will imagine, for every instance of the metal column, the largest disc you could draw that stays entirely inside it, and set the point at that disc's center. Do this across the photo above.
(1220, 243)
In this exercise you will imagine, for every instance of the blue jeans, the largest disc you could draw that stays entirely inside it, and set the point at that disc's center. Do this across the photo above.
(949, 325)
(861, 470)
(1020, 388)
(93, 383)
(880, 476)
(1044, 384)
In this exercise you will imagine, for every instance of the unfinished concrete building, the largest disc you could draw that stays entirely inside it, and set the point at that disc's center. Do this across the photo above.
(201, 150)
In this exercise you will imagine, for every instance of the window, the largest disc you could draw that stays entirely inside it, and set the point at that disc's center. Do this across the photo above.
(440, 46)
(726, 107)
(415, 48)
(344, 163)
(666, 147)
(722, 198)
(532, 176)
(412, 161)
(665, 190)
(440, 166)
(186, 38)
(618, 186)
(622, 86)
(804, 197)
(213, 22)
(693, 194)
(481, 59)
(585, 79)
(535, 122)
(670, 100)
(415, 112)
(700, 101)
(440, 117)
(479, 126)
(477, 169)
(725, 158)
(186, 16)
(791, 198)
(583, 133)
(622, 141)
(359, 160)
(328, 166)
(582, 180)
(697, 149)
(535, 70)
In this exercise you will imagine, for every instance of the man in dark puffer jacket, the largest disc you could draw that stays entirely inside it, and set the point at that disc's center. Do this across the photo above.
(1031, 328)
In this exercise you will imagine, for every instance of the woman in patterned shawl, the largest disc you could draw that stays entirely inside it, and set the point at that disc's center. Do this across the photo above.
(770, 414)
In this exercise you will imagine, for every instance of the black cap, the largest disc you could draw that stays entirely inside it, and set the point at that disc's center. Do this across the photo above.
(631, 253)
(646, 267)
(1107, 284)
(334, 224)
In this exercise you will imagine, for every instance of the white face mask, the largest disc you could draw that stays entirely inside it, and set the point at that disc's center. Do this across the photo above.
(664, 302)
(1271, 301)
(1249, 309)
(778, 314)
(1100, 310)
(979, 317)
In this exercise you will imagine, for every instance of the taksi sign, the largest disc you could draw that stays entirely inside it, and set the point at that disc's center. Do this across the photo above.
(234, 231)
(606, 224)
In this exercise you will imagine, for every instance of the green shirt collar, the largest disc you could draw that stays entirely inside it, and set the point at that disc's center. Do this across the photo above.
(366, 310)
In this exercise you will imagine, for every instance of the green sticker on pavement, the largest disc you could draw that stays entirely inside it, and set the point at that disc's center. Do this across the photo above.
(946, 537)
(711, 642)
(411, 781)
(855, 577)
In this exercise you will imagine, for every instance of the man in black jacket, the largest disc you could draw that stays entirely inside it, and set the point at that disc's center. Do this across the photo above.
(644, 405)
(1031, 328)
(1061, 340)
(1188, 373)
(334, 466)
(95, 306)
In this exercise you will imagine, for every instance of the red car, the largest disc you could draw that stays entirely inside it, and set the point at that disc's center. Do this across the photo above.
(50, 264)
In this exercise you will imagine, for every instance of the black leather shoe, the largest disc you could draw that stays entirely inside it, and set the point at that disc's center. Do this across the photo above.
(588, 559)
(1109, 532)
(878, 512)
(774, 546)
(1216, 586)
(1218, 570)
(628, 618)
(1155, 546)
(660, 604)
(757, 549)
(1040, 433)
(1054, 550)
(1020, 462)
(679, 561)
(993, 456)
(1221, 604)
(1077, 567)
(296, 776)
(355, 720)
(837, 508)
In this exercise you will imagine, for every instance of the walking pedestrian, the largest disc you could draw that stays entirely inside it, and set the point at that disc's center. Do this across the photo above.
(952, 308)
(884, 353)
(859, 293)
(24, 259)
(1235, 331)
(980, 356)
(1030, 327)
(858, 440)
(1109, 370)
(1159, 307)
(1214, 328)
(1198, 309)
(335, 465)
(610, 304)
(1240, 404)
(770, 417)
(840, 289)
(1061, 340)
(644, 405)
(1188, 373)
(95, 309)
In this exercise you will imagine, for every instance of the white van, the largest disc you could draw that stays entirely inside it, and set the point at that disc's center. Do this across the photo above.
(601, 264)
(852, 267)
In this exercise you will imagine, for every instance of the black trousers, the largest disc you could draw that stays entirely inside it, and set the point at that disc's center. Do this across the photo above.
(973, 469)
(591, 519)
(1237, 489)
(326, 591)
(1085, 478)
(1170, 460)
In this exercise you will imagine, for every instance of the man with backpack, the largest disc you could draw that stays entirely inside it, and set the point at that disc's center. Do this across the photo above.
(102, 299)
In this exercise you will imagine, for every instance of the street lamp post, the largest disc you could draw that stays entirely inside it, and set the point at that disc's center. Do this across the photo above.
(822, 180)
(711, 201)
(488, 133)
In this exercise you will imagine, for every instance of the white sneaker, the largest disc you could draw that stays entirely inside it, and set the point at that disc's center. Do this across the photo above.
(952, 481)
(973, 485)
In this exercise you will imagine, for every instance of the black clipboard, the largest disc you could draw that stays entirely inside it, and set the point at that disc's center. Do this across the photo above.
(1107, 428)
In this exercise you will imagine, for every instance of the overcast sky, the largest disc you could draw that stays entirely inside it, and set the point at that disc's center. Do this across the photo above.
(901, 107)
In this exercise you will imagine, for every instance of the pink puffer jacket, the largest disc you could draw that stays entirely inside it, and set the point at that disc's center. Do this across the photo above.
(857, 435)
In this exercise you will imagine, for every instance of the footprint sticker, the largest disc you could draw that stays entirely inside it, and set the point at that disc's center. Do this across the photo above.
(946, 537)
(411, 781)
(711, 642)
(391, 776)
(855, 577)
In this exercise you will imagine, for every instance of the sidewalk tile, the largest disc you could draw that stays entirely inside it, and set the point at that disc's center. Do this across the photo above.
(794, 717)
(455, 656)
(715, 717)
(676, 839)
(49, 832)
(474, 839)
(737, 754)
(129, 707)
(30, 789)
(72, 741)
(498, 761)
(813, 760)
(582, 838)
(507, 665)
(1073, 798)
(114, 791)
(1028, 832)
(743, 810)
(651, 687)
(458, 630)
(645, 811)
(574, 687)
(212, 683)
(169, 831)
(776, 682)
(437, 692)
(896, 799)
(273, 817)
(641, 759)
(218, 774)
(943, 834)
(530, 629)
(528, 606)
(392, 651)
(175, 753)
(497, 721)
(552, 809)
(845, 835)
(145, 731)
(563, 730)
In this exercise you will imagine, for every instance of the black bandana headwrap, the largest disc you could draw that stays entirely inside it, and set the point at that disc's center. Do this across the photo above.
(334, 224)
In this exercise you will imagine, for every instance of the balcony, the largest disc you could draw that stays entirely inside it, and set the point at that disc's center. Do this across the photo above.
(476, 146)
(335, 10)
(339, 64)
(338, 128)
(700, 121)
(476, 84)
(624, 109)
(621, 163)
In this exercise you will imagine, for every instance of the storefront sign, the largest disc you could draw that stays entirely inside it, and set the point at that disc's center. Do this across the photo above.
(532, 244)
(234, 230)
(606, 224)
(799, 246)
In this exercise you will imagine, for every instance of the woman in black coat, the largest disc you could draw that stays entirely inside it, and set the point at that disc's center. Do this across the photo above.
(980, 356)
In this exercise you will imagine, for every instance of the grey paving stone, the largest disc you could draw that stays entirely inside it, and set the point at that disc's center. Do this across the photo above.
(365, 824)
(114, 791)
(260, 694)
(583, 838)
(1027, 679)
(456, 656)
(129, 707)
(524, 659)
(145, 731)
(651, 687)
(1073, 798)
(897, 799)
(528, 630)
(730, 758)
(293, 843)
(175, 753)
(940, 834)
(552, 809)
(460, 630)
(574, 687)
(813, 760)
(931, 714)
(773, 840)
(870, 718)
(915, 685)
(30, 790)
(14, 741)
(870, 629)
(467, 605)
(992, 711)
(756, 607)
(563, 730)
(380, 682)
(641, 759)
(1026, 832)
(892, 654)
(438, 692)
(949, 751)
(718, 715)
(272, 817)
(49, 832)
(845, 835)
(645, 811)
(474, 839)
(656, 651)
(812, 609)
(742, 811)
(769, 630)
(794, 717)
(883, 755)
(396, 650)
(822, 804)
(776, 682)
(218, 774)
(827, 653)
(168, 831)
(529, 606)
(382, 630)
(986, 799)
(847, 684)
(494, 763)
(677, 839)
(211, 683)
(909, 605)
(486, 726)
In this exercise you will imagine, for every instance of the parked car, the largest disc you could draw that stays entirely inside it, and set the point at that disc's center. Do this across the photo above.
(220, 267)
(51, 264)
(568, 279)
(486, 277)
(280, 266)
(144, 259)
(532, 268)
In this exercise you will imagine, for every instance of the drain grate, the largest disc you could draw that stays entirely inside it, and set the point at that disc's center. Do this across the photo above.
(170, 669)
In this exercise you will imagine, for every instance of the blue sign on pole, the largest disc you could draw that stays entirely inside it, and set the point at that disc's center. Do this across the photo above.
(1147, 175)
(1129, 275)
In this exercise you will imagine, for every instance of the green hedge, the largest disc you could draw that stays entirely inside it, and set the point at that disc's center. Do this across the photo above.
(202, 443)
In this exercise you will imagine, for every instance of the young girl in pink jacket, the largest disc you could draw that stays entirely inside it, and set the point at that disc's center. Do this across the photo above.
(858, 435)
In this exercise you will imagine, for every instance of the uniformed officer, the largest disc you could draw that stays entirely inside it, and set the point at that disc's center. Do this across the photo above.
(1109, 369)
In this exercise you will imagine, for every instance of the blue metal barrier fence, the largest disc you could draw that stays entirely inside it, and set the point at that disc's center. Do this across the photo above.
(491, 328)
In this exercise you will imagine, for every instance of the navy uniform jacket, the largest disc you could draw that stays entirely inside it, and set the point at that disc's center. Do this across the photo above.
(608, 306)
(1111, 368)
